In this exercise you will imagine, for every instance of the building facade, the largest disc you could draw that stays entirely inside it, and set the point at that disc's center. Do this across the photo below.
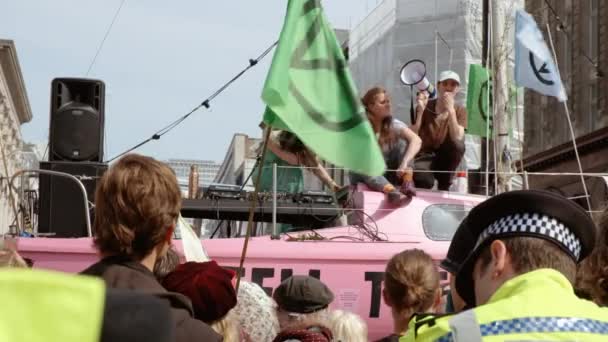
(207, 170)
(239, 161)
(14, 111)
(579, 29)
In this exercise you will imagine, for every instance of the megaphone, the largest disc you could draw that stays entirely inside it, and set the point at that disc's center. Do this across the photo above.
(413, 73)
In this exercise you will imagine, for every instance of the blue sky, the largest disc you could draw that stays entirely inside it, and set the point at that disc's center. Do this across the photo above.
(160, 60)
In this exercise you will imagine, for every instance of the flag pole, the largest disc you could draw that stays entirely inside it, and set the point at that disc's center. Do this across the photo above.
(578, 158)
(501, 95)
(252, 203)
(490, 110)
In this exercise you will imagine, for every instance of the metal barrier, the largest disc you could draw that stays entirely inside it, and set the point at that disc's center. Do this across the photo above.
(66, 175)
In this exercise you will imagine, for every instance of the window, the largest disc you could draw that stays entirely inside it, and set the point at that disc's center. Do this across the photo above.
(440, 221)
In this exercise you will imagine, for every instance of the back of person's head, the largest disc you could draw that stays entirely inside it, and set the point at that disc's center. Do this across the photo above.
(302, 298)
(209, 287)
(530, 253)
(166, 264)
(137, 204)
(257, 312)
(347, 327)
(411, 283)
(592, 273)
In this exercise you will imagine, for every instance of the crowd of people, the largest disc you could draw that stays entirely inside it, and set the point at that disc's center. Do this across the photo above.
(432, 144)
(523, 265)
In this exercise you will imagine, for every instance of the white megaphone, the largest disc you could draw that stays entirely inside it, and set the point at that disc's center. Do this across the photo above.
(413, 73)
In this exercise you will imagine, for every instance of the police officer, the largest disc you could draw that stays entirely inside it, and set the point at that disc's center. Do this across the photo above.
(520, 273)
(462, 243)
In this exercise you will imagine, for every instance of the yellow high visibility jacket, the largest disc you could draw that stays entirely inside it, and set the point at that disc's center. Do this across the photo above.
(49, 306)
(536, 306)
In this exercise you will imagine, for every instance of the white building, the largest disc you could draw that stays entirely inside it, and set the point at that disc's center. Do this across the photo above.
(207, 170)
(239, 161)
(398, 31)
(444, 34)
(14, 111)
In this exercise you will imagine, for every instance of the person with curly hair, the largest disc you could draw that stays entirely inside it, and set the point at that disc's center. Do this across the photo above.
(137, 205)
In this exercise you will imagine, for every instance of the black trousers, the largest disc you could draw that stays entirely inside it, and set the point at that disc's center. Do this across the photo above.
(446, 158)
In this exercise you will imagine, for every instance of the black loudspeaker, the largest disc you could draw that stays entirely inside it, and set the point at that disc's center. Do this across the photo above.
(61, 205)
(77, 120)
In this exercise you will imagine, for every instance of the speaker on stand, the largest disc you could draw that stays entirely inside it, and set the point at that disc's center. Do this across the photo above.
(76, 133)
(77, 120)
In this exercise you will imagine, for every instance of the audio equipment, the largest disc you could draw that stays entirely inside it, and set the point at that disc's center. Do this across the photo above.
(76, 120)
(61, 206)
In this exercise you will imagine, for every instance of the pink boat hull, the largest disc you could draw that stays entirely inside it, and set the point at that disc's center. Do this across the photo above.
(352, 269)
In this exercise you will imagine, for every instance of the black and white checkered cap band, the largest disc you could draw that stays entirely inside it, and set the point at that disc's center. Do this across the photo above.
(535, 224)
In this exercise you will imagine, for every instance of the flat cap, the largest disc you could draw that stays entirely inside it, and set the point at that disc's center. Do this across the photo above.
(302, 294)
(532, 213)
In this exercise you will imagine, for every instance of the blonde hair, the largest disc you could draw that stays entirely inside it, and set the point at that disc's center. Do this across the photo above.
(411, 282)
(347, 327)
(228, 327)
(289, 320)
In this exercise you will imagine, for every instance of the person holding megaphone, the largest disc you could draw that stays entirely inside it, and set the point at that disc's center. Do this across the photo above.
(440, 123)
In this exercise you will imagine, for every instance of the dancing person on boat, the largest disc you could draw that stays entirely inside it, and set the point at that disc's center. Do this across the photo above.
(440, 123)
(289, 153)
(286, 150)
(399, 145)
(137, 205)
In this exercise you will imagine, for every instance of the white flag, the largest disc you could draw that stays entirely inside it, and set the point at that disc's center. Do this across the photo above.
(193, 249)
(534, 66)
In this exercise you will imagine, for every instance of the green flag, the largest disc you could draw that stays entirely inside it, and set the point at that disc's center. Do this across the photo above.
(477, 101)
(309, 91)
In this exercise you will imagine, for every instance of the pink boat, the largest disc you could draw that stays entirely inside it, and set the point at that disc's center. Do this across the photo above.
(345, 258)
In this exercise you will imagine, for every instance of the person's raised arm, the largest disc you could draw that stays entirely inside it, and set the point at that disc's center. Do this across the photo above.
(422, 100)
(320, 171)
(455, 116)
